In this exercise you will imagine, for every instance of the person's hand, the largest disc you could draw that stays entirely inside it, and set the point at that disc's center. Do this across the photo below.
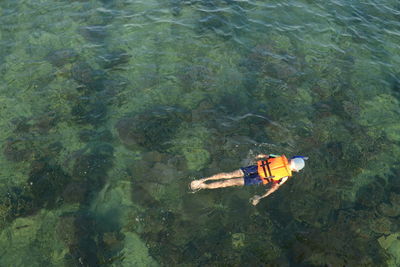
(255, 200)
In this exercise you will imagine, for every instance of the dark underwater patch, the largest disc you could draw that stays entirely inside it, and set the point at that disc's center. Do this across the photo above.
(94, 33)
(17, 149)
(114, 59)
(88, 112)
(152, 129)
(62, 57)
(46, 182)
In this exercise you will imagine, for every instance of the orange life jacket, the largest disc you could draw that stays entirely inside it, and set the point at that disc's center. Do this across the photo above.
(274, 169)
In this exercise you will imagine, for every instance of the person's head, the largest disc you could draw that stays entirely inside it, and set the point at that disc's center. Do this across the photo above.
(297, 163)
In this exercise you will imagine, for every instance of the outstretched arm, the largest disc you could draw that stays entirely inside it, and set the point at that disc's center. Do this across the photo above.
(272, 189)
(256, 199)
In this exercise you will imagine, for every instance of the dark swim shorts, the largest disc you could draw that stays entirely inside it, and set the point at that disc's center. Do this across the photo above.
(251, 175)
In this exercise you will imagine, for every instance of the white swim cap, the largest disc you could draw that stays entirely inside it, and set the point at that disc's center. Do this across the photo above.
(297, 163)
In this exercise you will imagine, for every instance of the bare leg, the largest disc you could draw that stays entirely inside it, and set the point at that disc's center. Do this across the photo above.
(199, 184)
(225, 183)
(225, 175)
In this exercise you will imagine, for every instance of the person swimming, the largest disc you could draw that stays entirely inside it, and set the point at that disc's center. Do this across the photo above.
(271, 169)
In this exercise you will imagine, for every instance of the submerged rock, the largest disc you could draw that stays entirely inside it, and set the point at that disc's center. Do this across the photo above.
(370, 195)
(392, 209)
(394, 181)
(238, 240)
(17, 149)
(84, 250)
(115, 58)
(82, 72)
(47, 182)
(92, 113)
(391, 244)
(197, 158)
(65, 229)
(45, 122)
(90, 80)
(92, 135)
(22, 125)
(94, 33)
(15, 202)
(61, 57)
(141, 257)
(113, 241)
(381, 225)
(389, 210)
(41, 123)
(152, 129)
(75, 192)
(92, 167)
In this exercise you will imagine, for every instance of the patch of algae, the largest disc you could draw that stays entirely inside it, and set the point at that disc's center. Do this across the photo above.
(366, 78)
(153, 78)
(238, 240)
(147, 47)
(136, 253)
(169, 64)
(191, 141)
(114, 204)
(391, 243)
(380, 115)
(32, 241)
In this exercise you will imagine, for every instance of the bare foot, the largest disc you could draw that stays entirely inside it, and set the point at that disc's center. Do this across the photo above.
(196, 185)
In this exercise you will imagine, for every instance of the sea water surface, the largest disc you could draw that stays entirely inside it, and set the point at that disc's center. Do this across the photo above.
(110, 108)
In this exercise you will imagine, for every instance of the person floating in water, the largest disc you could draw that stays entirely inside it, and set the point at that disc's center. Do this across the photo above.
(272, 169)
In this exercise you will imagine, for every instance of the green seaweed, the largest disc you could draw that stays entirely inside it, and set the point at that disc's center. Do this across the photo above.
(151, 129)
(108, 107)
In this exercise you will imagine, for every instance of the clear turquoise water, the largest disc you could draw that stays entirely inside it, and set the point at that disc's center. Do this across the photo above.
(110, 108)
